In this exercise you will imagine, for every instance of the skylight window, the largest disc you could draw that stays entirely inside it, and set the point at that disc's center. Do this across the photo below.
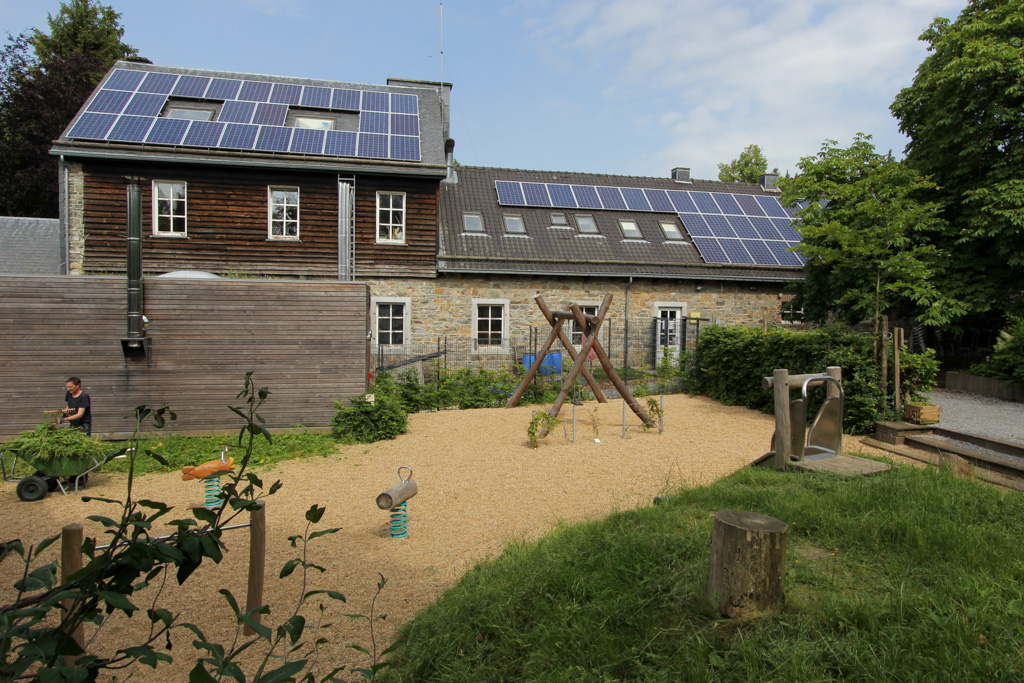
(473, 222)
(671, 231)
(630, 230)
(558, 220)
(586, 225)
(189, 114)
(314, 123)
(514, 225)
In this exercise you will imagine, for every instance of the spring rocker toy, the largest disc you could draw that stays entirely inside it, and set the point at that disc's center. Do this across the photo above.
(209, 472)
(395, 499)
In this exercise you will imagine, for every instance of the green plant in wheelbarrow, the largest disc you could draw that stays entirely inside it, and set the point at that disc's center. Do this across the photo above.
(54, 453)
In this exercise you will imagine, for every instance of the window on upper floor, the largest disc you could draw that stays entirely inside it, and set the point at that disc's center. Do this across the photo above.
(514, 224)
(391, 218)
(314, 123)
(170, 208)
(283, 213)
(558, 220)
(630, 230)
(586, 225)
(671, 230)
(473, 222)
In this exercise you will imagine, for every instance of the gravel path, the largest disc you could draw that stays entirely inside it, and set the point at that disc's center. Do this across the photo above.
(982, 415)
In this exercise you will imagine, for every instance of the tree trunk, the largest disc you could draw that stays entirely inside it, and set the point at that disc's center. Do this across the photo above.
(748, 563)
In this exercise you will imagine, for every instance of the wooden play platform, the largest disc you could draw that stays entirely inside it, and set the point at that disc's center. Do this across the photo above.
(845, 465)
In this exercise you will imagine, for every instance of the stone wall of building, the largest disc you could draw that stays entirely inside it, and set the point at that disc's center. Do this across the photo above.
(75, 217)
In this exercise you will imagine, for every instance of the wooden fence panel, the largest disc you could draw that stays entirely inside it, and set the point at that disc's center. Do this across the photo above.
(304, 340)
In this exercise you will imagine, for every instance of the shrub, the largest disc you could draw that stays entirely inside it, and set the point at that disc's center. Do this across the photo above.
(1007, 360)
(364, 421)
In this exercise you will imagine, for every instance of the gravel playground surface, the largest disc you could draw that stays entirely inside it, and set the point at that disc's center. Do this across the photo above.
(981, 415)
(480, 487)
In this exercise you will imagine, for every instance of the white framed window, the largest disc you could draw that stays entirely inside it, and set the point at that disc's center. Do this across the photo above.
(391, 217)
(672, 231)
(314, 123)
(669, 321)
(170, 208)
(473, 222)
(490, 324)
(514, 224)
(391, 323)
(586, 225)
(577, 331)
(283, 213)
(630, 230)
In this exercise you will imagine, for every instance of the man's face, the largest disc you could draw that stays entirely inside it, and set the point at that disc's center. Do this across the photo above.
(70, 386)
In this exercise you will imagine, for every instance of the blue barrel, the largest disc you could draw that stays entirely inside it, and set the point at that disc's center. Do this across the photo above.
(552, 364)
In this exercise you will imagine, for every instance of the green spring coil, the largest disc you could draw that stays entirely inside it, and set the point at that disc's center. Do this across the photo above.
(211, 485)
(399, 521)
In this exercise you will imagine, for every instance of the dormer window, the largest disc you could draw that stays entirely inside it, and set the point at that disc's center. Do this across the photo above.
(314, 123)
(514, 225)
(630, 230)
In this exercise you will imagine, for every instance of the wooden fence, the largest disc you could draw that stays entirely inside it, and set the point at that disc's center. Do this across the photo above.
(305, 340)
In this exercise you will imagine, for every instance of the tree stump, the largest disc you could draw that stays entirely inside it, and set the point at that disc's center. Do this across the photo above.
(748, 562)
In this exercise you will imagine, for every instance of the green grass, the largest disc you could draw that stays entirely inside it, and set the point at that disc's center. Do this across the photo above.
(911, 575)
(184, 450)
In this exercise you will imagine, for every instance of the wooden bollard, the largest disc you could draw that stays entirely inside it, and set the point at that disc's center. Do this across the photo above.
(257, 561)
(748, 563)
(397, 494)
(71, 539)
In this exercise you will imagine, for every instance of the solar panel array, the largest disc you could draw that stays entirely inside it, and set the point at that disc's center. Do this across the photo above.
(252, 117)
(726, 228)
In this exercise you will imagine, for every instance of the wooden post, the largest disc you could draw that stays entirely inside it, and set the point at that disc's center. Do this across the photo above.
(71, 538)
(897, 344)
(257, 561)
(885, 360)
(571, 350)
(578, 364)
(748, 563)
(556, 330)
(783, 428)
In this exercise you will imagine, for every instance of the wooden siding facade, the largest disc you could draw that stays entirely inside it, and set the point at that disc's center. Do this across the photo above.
(306, 341)
(227, 222)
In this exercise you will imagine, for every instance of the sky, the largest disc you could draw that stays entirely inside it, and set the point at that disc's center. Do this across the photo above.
(630, 87)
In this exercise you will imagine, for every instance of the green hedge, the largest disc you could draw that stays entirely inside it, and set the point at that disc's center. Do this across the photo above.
(731, 361)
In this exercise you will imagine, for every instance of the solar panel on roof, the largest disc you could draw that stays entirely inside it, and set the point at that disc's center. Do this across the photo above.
(682, 202)
(203, 134)
(764, 228)
(273, 139)
(270, 114)
(536, 194)
(404, 104)
(167, 131)
(308, 141)
(234, 111)
(779, 251)
(735, 250)
(635, 199)
(561, 196)
(695, 225)
(760, 252)
(123, 79)
(340, 143)
(223, 89)
(315, 96)
(405, 147)
(286, 93)
(749, 205)
(727, 203)
(710, 250)
(800, 257)
(785, 228)
(586, 196)
(373, 122)
(771, 206)
(145, 104)
(158, 83)
(659, 201)
(405, 124)
(509, 193)
(372, 146)
(611, 198)
(743, 227)
(719, 225)
(191, 86)
(92, 126)
(348, 100)
(254, 91)
(705, 203)
(239, 136)
(109, 101)
(130, 129)
(376, 101)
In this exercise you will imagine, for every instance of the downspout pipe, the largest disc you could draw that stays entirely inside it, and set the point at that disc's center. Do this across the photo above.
(134, 261)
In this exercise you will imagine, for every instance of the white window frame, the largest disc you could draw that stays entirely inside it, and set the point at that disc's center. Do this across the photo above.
(173, 216)
(406, 303)
(390, 226)
(284, 220)
(680, 307)
(575, 331)
(490, 348)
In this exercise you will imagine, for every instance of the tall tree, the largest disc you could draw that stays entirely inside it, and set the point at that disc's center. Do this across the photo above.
(746, 168)
(863, 230)
(44, 81)
(963, 115)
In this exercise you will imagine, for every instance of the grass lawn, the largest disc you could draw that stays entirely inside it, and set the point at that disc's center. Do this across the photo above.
(910, 575)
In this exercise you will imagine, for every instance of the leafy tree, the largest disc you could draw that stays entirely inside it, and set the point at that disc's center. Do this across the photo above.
(864, 238)
(963, 117)
(746, 169)
(44, 79)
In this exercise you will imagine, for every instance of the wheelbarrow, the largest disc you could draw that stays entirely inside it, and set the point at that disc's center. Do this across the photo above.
(61, 474)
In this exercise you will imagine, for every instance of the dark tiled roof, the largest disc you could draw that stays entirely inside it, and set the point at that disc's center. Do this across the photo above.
(550, 250)
(30, 246)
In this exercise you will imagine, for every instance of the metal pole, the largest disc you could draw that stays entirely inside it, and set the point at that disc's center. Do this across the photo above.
(623, 418)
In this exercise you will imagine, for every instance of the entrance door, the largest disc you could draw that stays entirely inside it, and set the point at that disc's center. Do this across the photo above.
(668, 330)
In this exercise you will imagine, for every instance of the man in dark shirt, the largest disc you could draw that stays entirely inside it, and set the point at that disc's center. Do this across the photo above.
(79, 410)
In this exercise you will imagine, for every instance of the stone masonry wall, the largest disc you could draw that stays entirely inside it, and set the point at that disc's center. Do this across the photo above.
(76, 217)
